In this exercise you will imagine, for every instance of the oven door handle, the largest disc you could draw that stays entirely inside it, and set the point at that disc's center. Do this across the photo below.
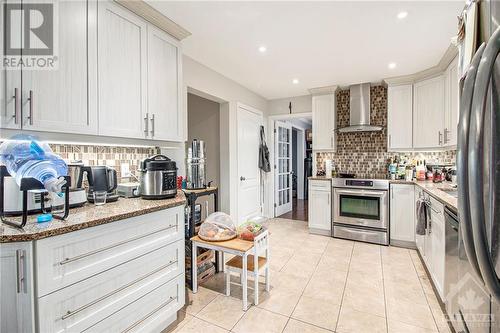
(364, 193)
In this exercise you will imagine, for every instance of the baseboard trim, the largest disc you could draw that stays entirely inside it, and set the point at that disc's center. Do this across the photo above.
(405, 244)
(321, 232)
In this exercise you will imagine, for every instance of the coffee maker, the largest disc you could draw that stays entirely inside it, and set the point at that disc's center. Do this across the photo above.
(101, 178)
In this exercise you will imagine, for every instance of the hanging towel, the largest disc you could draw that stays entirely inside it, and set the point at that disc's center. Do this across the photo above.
(421, 217)
(264, 163)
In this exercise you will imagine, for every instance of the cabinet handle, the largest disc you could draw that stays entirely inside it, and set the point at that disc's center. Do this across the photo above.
(153, 124)
(445, 135)
(170, 300)
(390, 140)
(109, 247)
(146, 124)
(30, 116)
(440, 138)
(71, 313)
(21, 269)
(16, 105)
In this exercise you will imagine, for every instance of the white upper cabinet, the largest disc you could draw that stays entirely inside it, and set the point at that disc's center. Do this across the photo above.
(164, 88)
(63, 100)
(399, 117)
(452, 104)
(323, 122)
(402, 213)
(10, 82)
(122, 72)
(428, 110)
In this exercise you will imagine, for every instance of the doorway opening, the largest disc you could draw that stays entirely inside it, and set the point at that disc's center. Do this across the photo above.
(204, 124)
(293, 166)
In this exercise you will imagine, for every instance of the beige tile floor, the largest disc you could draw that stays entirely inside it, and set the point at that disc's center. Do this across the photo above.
(322, 284)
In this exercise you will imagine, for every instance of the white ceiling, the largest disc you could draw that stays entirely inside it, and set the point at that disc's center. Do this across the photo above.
(320, 43)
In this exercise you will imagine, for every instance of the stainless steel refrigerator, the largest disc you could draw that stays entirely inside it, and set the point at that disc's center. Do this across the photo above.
(477, 293)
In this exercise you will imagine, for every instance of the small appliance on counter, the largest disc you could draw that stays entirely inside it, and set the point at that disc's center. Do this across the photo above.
(13, 199)
(77, 193)
(158, 178)
(128, 190)
(101, 178)
(196, 166)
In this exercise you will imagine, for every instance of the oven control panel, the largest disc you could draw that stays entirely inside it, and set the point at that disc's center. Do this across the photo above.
(359, 182)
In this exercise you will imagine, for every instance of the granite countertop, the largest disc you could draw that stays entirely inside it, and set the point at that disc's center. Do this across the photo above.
(87, 216)
(320, 178)
(438, 191)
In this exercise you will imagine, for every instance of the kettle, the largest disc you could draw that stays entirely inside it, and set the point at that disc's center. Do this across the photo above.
(101, 178)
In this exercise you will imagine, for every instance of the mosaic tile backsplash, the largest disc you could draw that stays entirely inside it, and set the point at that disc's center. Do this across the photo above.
(105, 155)
(365, 154)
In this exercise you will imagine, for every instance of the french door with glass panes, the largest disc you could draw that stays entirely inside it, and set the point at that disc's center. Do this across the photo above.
(282, 168)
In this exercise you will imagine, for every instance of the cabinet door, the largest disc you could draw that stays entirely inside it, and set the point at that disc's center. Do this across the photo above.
(428, 113)
(164, 89)
(452, 105)
(438, 249)
(320, 209)
(399, 117)
(402, 213)
(10, 79)
(62, 100)
(323, 122)
(16, 287)
(122, 72)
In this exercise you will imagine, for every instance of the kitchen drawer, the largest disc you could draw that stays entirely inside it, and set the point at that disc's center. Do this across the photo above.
(149, 313)
(325, 185)
(84, 304)
(364, 235)
(69, 258)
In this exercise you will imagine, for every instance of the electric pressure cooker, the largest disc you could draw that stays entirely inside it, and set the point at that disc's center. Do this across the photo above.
(158, 178)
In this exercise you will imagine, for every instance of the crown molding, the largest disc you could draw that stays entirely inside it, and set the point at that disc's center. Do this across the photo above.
(434, 71)
(323, 90)
(156, 18)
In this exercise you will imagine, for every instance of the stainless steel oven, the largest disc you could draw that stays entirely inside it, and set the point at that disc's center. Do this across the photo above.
(361, 209)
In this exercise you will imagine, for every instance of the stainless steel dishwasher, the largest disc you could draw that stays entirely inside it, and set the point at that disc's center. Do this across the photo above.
(451, 260)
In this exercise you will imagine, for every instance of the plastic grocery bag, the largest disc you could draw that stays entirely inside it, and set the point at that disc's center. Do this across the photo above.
(217, 226)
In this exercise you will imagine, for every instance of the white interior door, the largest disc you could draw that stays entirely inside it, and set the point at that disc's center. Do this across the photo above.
(249, 203)
(283, 168)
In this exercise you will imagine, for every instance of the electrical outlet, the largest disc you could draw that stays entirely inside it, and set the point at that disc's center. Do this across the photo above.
(125, 170)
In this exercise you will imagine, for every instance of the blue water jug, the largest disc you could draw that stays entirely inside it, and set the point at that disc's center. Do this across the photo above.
(25, 156)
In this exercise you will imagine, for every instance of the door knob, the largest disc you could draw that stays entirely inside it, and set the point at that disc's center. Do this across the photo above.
(242, 178)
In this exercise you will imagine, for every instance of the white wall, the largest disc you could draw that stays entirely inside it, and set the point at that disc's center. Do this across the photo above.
(300, 104)
(205, 82)
(208, 81)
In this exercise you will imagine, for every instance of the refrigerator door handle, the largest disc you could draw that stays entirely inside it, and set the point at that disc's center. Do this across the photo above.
(476, 166)
(463, 162)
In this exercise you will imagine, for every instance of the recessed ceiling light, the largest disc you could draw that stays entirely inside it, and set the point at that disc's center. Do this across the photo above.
(262, 49)
(392, 65)
(402, 15)
(295, 81)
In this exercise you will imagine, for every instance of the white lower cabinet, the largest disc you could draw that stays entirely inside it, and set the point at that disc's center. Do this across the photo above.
(402, 214)
(114, 277)
(320, 207)
(432, 246)
(16, 288)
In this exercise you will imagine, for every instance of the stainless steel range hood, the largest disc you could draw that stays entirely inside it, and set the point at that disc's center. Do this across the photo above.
(359, 113)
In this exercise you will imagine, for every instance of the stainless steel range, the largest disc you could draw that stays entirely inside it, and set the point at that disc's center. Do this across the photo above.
(360, 210)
